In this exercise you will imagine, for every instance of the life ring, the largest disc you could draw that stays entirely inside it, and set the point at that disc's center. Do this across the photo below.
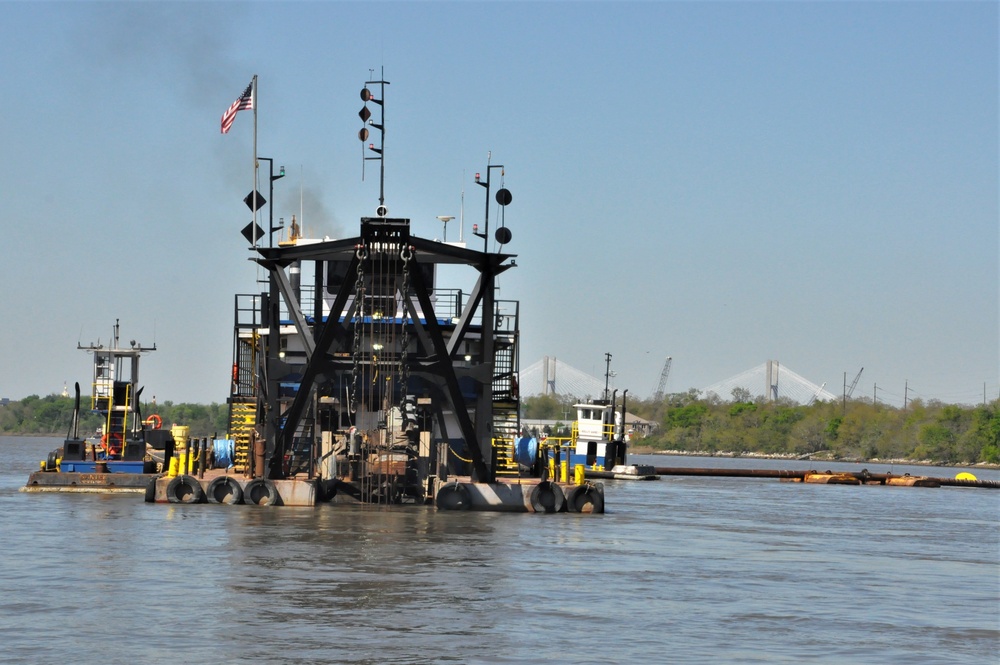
(261, 492)
(453, 496)
(224, 489)
(586, 498)
(185, 489)
(547, 497)
(153, 420)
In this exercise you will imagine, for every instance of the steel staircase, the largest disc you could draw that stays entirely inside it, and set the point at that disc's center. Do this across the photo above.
(506, 400)
(242, 418)
(243, 389)
(298, 453)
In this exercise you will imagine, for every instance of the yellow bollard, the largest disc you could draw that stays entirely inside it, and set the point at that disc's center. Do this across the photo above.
(180, 434)
(579, 474)
(564, 471)
(172, 469)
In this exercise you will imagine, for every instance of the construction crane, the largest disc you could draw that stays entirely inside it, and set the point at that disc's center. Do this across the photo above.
(658, 395)
(854, 384)
(819, 391)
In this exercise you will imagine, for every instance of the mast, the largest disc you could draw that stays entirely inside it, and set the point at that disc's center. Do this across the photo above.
(366, 117)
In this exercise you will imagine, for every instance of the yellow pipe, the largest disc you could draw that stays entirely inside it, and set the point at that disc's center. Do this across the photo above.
(128, 395)
(180, 435)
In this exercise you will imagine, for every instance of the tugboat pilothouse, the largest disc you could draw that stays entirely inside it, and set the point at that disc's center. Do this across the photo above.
(127, 450)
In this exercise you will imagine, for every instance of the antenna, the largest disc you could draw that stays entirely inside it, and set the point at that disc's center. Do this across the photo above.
(503, 198)
(607, 373)
(444, 221)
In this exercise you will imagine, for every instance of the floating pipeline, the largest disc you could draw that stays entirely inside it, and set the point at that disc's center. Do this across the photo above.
(863, 477)
(619, 472)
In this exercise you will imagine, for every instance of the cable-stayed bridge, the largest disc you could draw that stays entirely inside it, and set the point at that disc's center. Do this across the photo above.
(769, 380)
(549, 376)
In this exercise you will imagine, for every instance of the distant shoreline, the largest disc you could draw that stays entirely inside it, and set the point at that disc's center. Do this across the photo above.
(813, 457)
(640, 450)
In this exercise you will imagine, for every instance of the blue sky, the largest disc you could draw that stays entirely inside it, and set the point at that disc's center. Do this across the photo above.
(723, 183)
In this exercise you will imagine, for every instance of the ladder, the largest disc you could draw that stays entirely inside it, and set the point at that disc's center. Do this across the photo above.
(504, 440)
(506, 400)
(301, 446)
(242, 418)
(243, 387)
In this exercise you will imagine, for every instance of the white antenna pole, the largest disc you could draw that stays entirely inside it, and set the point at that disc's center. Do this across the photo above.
(302, 221)
(461, 213)
(253, 102)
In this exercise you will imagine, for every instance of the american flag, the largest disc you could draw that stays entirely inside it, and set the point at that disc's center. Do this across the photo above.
(243, 103)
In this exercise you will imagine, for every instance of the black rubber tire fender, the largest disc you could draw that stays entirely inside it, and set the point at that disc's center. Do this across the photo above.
(224, 489)
(151, 490)
(547, 497)
(185, 489)
(585, 499)
(326, 489)
(453, 496)
(50, 461)
(261, 492)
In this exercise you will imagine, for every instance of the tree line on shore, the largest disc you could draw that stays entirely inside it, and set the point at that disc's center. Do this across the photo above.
(51, 416)
(855, 430)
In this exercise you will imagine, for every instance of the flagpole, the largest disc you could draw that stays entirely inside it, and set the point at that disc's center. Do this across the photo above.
(253, 97)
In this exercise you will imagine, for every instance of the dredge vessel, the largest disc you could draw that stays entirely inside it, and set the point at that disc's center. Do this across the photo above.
(359, 376)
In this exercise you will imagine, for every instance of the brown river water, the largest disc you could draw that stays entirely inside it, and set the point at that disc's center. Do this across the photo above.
(680, 570)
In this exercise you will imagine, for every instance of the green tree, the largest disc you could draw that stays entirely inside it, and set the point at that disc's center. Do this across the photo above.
(52, 416)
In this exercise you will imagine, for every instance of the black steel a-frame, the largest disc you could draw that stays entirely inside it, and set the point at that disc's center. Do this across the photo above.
(327, 340)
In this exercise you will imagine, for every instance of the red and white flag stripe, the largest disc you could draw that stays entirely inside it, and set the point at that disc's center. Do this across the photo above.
(243, 103)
